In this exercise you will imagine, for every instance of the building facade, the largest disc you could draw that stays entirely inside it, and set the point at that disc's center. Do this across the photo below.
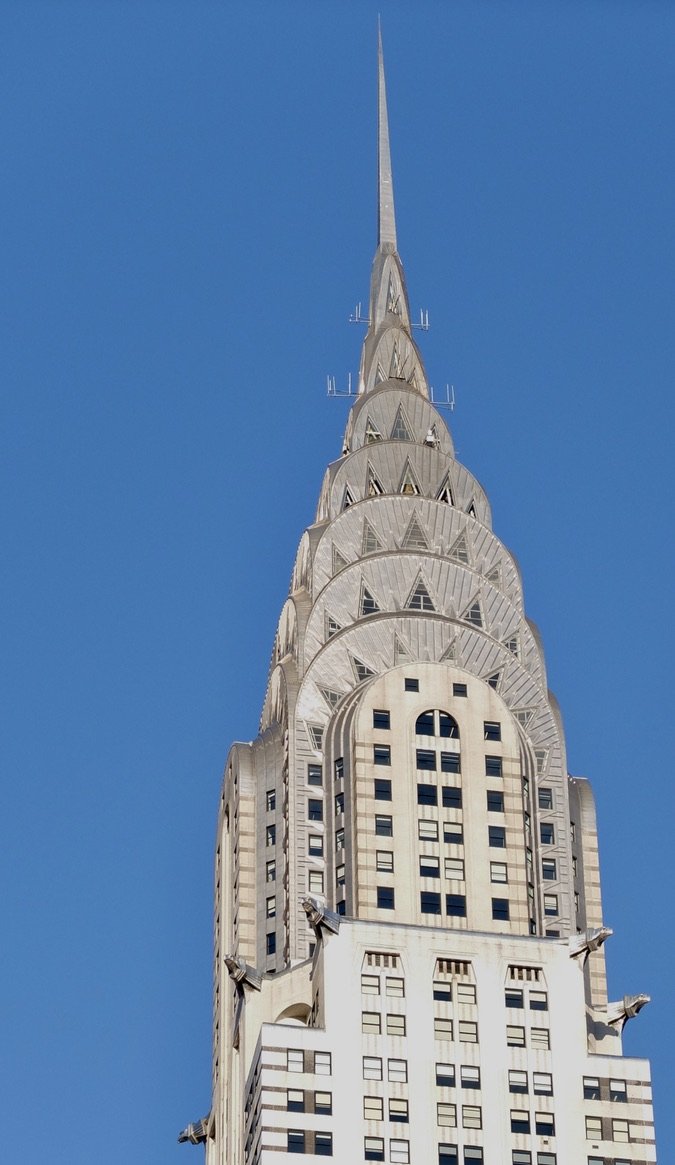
(409, 961)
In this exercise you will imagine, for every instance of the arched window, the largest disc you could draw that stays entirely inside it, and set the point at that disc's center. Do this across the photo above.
(436, 723)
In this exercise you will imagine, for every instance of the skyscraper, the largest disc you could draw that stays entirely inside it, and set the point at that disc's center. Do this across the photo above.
(409, 961)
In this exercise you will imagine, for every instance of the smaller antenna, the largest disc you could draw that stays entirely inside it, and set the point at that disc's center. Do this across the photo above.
(357, 318)
(444, 403)
(334, 391)
(423, 325)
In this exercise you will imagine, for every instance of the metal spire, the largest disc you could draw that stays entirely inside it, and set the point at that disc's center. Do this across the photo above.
(386, 221)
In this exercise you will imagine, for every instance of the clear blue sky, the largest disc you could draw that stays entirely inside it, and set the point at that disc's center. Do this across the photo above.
(188, 218)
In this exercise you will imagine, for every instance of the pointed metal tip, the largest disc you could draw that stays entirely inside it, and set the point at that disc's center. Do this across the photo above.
(386, 221)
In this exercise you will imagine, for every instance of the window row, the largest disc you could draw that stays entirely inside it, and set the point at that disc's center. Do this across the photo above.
(446, 1116)
(397, 1108)
(466, 1029)
(544, 1123)
(399, 1151)
(524, 1157)
(301, 1100)
(596, 1089)
(411, 685)
(393, 985)
(453, 831)
(397, 1070)
(305, 1141)
(540, 1037)
(303, 1060)
(371, 1024)
(515, 998)
(449, 1155)
(608, 1129)
(542, 1082)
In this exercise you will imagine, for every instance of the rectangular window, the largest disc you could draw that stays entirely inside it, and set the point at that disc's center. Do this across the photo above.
(370, 984)
(497, 836)
(548, 869)
(517, 1080)
(339, 804)
(295, 1141)
(372, 1068)
(295, 1100)
(451, 797)
(295, 1060)
(270, 835)
(430, 902)
(271, 943)
(323, 1144)
(270, 871)
(382, 790)
(453, 833)
(495, 801)
(492, 730)
(399, 1152)
(546, 833)
(550, 1159)
(620, 1131)
(395, 1025)
(314, 775)
(271, 907)
(383, 826)
(371, 1023)
(385, 897)
(459, 689)
(500, 909)
(538, 1001)
(397, 1070)
(551, 905)
(473, 1155)
(373, 1108)
(315, 882)
(340, 875)
(411, 685)
(544, 1124)
(447, 1155)
(381, 754)
(430, 867)
(515, 1036)
(465, 993)
(471, 1116)
(498, 872)
(540, 1037)
(426, 759)
(442, 1028)
(398, 1110)
(427, 830)
(591, 1088)
(322, 1064)
(545, 797)
(618, 1090)
(445, 1075)
(468, 1031)
(446, 1115)
(373, 1148)
(384, 861)
(442, 991)
(454, 869)
(513, 997)
(381, 718)
(394, 987)
(455, 905)
(521, 1157)
(427, 795)
(469, 1076)
(315, 845)
(542, 1084)
(450, 762)
(593, 1128)
(339, 768)
(520, 1120)
(270, 800)
(339, 839)
(493, 766)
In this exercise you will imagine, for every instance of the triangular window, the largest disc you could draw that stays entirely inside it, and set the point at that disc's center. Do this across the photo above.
(450, 652)
(513, 644)
(393, 297)
(472, 511)
(415, 538)
(494, 680)
(315, 736)
(541, 756)
(374, 488)
(332, 626)
(370, 543)
(409, 483)
(347, 498)
(494, 575)
(331, 697)
(396, 366)
(380, 374)
(368, 604)
(401, 652)
(361, 669)
(420, 599)
(372, 432)
(524, 715)
(459, 551)
(401, 430)
(339, 561)
(473, 614)
(445, 492)
(412, 379)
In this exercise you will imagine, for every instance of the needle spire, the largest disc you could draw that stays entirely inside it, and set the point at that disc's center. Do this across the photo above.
(386, 221)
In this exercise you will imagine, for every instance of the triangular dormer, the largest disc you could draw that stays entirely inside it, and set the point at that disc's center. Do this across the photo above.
(419, 598)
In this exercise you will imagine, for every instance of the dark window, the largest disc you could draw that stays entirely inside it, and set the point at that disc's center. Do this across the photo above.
(430, 902)
(323, 1103)
(430, 867)
(427, 795)
(424, 725)
(500, 909)
(455, 905)
(315, 845)
(295, 1100)
(339, 802)
(618, 1090)
(381, 754)
(453, 833)
(271, 943)
(382, 790)
(495, 801)
(412, 685)
(271, 835)
(445, 1075)
(295, 1141)
(591, 1088)
(323, 1144)
(545, 798)
(373, 1149)
(493, 766)
(544, 1125)
(315, 810)
(469, 1076)
(538, 1001)
(426, 759)
(385, 897)
(270, 800)
(442, 992)
(459, 690)
(339, 839)
(497, 836)
(314, 775)
(447, 726)
(381, 718)
(546, 833)
(451, 797)
(548, 869)
(492, 730)
(342, 907)
(447, 1155)
(450, 762)
(520, 1121)
(513, 997)
(339, 768)
(383, 826)
(473, 1154)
